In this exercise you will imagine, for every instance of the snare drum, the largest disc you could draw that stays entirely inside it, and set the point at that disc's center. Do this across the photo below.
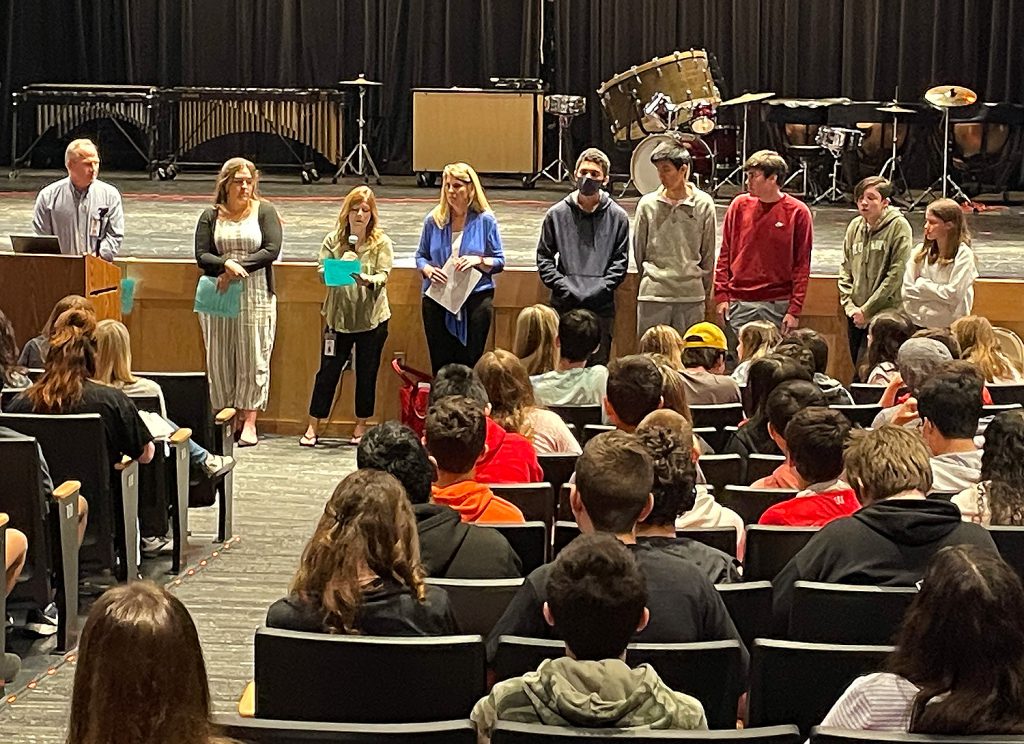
(565, 105)
(837, 139)
(683, 77)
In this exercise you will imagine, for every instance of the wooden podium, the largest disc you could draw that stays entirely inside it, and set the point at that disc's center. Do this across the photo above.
(30, 285)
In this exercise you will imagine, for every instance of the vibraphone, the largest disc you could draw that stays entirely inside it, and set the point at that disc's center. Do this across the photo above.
(171, 123)
(64, 107)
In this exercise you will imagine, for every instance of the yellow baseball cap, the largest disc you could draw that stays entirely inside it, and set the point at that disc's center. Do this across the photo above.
(704, 336)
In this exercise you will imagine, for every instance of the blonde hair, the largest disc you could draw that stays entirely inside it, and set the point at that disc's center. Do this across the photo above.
(946, 210)
(759, 339)
(477, 198)
(113, 353)
(979, 346)
(886, 461)
(227, 172)
(664, 340)
(356, 198)
(534, 342)
(75, 147)
(508, 389)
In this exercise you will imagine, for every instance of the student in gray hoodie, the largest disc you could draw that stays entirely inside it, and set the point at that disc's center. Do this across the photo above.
(596, 596)
(582, 254)
(875, 252)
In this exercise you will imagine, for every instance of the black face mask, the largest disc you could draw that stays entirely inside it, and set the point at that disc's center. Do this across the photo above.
(587, 185)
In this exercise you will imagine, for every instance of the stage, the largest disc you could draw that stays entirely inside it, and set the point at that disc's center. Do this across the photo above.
(160, 217)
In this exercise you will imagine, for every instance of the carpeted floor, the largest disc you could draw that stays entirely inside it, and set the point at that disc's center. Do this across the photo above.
(280, 491)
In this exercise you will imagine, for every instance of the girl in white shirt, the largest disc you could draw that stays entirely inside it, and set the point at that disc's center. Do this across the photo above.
(938, 285)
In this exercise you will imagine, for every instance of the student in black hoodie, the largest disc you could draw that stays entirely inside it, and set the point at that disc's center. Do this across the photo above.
(890, 540)
(583, 249)
(449, 548)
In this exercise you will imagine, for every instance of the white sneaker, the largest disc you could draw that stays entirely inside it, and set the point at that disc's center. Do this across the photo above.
(154, 545)
(43, 622)
(216, 463)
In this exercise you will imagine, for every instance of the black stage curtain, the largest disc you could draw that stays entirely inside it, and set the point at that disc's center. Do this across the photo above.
(862, 49)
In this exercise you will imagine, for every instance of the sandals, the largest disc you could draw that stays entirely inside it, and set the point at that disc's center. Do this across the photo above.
(312, 441)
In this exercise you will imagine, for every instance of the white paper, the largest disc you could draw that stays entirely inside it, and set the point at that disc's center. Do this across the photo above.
(452, 295)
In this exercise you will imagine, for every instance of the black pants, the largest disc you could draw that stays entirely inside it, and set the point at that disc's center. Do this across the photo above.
(444, 348)
(368, 346)
(858, 337)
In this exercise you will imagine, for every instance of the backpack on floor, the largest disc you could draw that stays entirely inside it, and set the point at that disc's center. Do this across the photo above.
(412, 396)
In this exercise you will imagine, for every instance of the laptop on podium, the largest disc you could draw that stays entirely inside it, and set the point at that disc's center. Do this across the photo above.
(35, 244)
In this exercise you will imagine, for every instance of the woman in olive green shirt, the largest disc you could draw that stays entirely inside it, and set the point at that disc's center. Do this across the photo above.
(355, 315)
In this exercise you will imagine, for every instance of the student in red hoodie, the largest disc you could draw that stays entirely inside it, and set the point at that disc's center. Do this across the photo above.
(455, 439)
(815, 437)
(508, 457)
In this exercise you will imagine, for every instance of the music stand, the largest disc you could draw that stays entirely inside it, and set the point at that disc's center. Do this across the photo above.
(360, 154)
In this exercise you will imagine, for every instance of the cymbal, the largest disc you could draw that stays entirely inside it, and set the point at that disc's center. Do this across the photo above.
(950, 96)
(359, 81)
(746, 98)
(894, 109)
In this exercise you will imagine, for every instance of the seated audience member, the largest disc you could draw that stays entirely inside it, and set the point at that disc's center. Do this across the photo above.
(514, 408)
(614, 476)
(508, 457)
(833, 390)
(704, 349)
(675, 492)
(673, 390)
(918, 359)
(979, 346)
(12, 374)
(887, 332)
(33, 353)
(949, 405)
(114, 368)
(795, 349)
(455, 439)
(449, 548)
(784, 402)
(140, 675)
(15, 555)
(999, 496)
(595, 597)
(705, 512)
(757, 339)
(360, 572)
(891, 538)
(752, 437)
(666, 341)
(572, 382)
(944, 336)
(534, 343)
(956, 670)
(634, 390)
(815, 438)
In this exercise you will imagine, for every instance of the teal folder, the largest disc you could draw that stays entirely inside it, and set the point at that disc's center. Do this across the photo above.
(209, 301)
(338, 272)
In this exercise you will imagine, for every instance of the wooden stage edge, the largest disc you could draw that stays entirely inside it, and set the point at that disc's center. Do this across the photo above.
(166, 336)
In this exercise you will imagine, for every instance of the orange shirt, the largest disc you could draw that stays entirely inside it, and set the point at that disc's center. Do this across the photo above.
(476, 503)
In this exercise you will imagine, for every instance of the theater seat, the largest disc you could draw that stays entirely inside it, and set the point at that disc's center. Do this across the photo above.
(1010, 541)
(770, 548)
(535, 500)
(866, 394)
(507, 732)
(478, 603)
(859, 415)
(260, 731)
(751, 503)
(530, 541)
(558, 469)
(761, 466)
(823, 735)
(846, 613)
(750, 606)
(722, 470)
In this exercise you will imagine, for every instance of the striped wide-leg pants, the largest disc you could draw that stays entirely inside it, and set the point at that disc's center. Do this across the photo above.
(238, 354)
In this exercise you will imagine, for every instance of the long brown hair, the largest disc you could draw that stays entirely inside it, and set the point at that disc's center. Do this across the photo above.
(1002, 468)
(227, 172)
(673, 389)
(946, 210)
(355, 198)
(887, 332)
(962, 643)
(666, 341)
(508, 389)
(8, 351)
(979, 346)
(367, 528)
(535, 337)
(70, 361)
(68, 302)
(140, 675)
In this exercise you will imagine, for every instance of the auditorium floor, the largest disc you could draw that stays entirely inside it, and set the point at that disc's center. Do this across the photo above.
(161, 216)
(280, 491)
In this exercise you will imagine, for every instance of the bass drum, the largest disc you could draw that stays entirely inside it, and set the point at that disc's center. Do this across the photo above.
(645, 174)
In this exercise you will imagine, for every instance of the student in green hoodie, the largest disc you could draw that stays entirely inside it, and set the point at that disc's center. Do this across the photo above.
(875, 253)
(596, 596)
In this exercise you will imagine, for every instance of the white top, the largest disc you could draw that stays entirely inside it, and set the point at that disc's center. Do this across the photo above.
(237, 239)
(707, 513)
(882, 373)
(934, 295)
(874, 702)
(551, 435)
(456, 243)
(973, 504)
(582, 386)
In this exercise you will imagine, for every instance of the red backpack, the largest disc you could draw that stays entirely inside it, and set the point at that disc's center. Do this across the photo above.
(412, 396)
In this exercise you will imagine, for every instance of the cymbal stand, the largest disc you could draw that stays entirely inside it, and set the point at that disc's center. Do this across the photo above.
(736, 172)
(892, 169)
(360, 151)
(833, 194)
(949, 186)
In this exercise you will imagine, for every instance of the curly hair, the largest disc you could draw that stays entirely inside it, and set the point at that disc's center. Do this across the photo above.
(367, 526)
(8, 351)
(1002, 468)
(675, 474)
(397, 450)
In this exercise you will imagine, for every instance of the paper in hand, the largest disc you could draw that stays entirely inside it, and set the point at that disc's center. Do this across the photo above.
(452, 295)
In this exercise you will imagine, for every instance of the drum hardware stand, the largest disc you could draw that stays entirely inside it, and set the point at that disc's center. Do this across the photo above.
(360, 151)
(892, 169)
(562, 170)
(833, 194)
(946, 97)
(738, 172)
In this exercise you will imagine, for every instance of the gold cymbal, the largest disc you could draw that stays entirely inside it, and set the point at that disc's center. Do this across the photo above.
(746, 98)
(894, 109)
(358, 81)
(950, 96)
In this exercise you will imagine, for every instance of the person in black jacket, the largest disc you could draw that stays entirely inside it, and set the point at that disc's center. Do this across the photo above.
(583, 249)
(614, 476)
(890, 540)
(449, 547)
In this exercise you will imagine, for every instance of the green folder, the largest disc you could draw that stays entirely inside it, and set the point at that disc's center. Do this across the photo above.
(209, 301)
(338, 272)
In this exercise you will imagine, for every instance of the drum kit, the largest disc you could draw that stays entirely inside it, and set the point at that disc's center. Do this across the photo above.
(836, 140)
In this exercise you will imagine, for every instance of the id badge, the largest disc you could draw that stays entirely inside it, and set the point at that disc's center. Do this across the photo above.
(94, 227)
(329, 338)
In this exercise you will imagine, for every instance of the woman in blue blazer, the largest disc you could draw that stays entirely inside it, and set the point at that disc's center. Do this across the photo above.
(461, 225)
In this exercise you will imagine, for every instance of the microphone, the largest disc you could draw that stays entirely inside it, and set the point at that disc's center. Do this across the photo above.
(352, 240)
